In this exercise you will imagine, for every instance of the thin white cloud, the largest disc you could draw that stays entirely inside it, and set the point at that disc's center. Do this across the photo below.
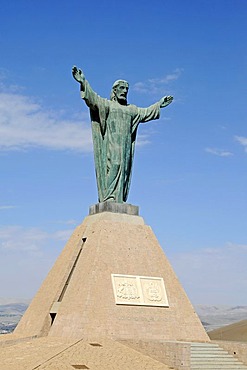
(67, 222)
(27, 254)
(213, 275)
(29, 239)
(168, 78)
(6, 207)
(236, 247)
(24, 123)
(143, 139)
(243, 141)
(62, 235)
(19, 238)
(157, 85)
(219, 152)
(71, 222)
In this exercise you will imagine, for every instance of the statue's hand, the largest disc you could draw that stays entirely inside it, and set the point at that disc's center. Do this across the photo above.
(166, 100)
(78, 75)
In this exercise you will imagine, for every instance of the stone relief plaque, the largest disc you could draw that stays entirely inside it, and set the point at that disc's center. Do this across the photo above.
(154, 291)
(139, 290)
(126, 289)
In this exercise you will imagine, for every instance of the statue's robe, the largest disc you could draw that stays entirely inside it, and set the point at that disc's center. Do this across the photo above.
(114, 128)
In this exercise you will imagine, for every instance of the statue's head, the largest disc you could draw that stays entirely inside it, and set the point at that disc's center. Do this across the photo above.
(119, 91)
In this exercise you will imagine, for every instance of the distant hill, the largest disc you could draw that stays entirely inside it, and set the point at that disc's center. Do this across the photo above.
(214, 317)
(11, 313)
(6, 301)
(234, 332)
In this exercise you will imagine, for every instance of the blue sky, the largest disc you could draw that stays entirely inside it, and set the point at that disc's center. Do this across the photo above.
(189, 176)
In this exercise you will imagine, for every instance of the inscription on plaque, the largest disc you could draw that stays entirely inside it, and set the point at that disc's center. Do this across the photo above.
(139, 290)
(126, 289)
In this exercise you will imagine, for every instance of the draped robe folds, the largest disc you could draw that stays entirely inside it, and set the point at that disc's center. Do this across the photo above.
(114, 128)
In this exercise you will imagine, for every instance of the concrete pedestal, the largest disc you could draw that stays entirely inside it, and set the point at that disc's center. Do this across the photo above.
(114, 207)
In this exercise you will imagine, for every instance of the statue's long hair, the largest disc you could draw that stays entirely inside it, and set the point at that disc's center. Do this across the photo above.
(113, 90)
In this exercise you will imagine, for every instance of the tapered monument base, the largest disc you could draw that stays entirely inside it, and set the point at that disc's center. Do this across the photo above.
(112, 280)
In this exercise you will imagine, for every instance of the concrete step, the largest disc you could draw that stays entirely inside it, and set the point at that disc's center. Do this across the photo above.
(210, 355)
(207, 356)
(218, 367)
(209, 360)
(207, 349)
(216, 363)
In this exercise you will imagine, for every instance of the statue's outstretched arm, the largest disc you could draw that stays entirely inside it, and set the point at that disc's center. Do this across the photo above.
(153, 112)
(166, 100)
(91, 98)
(79, 77)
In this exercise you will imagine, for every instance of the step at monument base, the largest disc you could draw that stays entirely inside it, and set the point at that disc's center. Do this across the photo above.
(209, 356)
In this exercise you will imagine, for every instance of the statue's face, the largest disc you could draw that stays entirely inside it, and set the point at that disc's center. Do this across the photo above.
(121, 92)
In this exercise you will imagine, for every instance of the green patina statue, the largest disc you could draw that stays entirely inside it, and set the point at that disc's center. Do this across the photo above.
(114, 128)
